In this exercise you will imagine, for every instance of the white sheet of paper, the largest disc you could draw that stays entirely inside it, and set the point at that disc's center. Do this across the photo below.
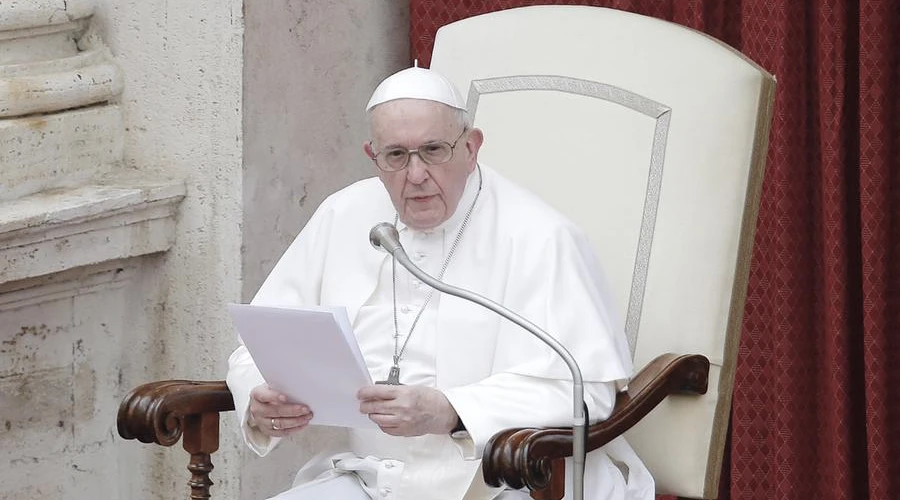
(309, 354)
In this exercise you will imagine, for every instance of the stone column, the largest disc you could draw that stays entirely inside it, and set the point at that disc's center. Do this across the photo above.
(80, 238)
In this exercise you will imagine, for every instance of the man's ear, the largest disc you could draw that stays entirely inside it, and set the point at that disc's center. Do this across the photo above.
(367, 149)
(474, 141)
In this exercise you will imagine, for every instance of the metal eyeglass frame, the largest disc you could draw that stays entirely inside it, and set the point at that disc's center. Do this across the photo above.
(410, 152)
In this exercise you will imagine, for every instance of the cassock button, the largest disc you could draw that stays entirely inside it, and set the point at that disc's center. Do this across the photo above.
(385, 491)
(404, 309)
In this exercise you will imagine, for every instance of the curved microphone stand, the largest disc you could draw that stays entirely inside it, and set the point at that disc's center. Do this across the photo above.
(385, 236)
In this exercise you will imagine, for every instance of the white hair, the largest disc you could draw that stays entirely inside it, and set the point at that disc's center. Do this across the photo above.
(460, 117)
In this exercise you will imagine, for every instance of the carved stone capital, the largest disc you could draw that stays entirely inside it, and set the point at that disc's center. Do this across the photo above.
(59, 126)
(32, 14)
(48, 62)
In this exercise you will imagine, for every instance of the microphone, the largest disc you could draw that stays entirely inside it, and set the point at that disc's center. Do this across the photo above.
(385, 236)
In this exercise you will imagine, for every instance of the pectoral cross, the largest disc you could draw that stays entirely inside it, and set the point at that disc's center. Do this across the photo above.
(393, 377)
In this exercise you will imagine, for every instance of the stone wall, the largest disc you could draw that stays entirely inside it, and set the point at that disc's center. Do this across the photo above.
(152, 168)
(81, 273)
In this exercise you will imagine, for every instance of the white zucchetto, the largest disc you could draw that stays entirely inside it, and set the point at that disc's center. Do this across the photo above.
(417, 83)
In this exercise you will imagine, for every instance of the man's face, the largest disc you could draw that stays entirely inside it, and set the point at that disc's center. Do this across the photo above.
(424, 195)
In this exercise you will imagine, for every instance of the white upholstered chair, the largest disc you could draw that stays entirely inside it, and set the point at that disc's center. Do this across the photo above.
(651, 137)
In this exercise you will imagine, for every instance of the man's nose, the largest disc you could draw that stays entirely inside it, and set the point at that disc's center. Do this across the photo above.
(416, 170)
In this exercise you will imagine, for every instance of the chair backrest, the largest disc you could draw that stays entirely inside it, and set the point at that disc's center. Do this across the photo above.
(652, 137)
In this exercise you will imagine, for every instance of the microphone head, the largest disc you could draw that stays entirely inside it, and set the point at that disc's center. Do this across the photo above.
(385, 236)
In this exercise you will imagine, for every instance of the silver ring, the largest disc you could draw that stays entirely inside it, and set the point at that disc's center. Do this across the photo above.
(274, 427)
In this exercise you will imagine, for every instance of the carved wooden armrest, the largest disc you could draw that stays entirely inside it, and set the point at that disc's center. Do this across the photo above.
(156, 412)
(533, 458)
(161, 412)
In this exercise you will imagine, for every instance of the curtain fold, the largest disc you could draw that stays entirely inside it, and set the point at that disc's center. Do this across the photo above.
(816, 408)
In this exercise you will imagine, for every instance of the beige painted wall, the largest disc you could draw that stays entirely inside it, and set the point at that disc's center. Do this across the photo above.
(309, 69)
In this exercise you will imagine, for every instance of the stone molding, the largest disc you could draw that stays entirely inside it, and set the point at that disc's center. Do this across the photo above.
(58, 230)
(50, 62)
(110, 275)
(24, 14)
(60, 125)
(23, 94)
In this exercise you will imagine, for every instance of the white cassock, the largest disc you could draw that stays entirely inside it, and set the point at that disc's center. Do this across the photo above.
(516, 251)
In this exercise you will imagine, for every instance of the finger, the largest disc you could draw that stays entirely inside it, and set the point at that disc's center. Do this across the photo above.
(265, 413)
(377, 392)
(283, 432)
(286, 411)
(288, 423)
(391, 425)
(370, 407)
(265, 394)
(385, 421)
(387, 407)
(279, 426)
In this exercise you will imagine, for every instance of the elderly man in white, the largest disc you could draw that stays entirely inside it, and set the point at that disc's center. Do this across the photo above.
(455, 373)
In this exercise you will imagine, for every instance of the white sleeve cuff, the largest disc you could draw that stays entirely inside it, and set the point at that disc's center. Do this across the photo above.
(242, 377)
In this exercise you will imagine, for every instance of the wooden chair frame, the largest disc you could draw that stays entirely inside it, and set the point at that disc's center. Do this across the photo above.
(168, 411)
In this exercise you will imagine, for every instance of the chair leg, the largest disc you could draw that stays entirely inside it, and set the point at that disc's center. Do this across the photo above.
(201, 439)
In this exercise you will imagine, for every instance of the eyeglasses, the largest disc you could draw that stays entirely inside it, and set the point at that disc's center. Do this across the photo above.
(397, 158)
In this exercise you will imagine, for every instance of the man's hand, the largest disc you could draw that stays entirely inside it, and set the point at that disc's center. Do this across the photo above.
(271, 413)
(407, 410)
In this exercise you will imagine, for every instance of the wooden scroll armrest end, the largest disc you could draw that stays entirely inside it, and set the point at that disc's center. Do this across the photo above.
(529, 457)
(156, 412)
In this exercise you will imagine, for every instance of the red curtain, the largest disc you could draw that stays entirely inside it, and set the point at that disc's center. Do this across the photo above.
(816, 411)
